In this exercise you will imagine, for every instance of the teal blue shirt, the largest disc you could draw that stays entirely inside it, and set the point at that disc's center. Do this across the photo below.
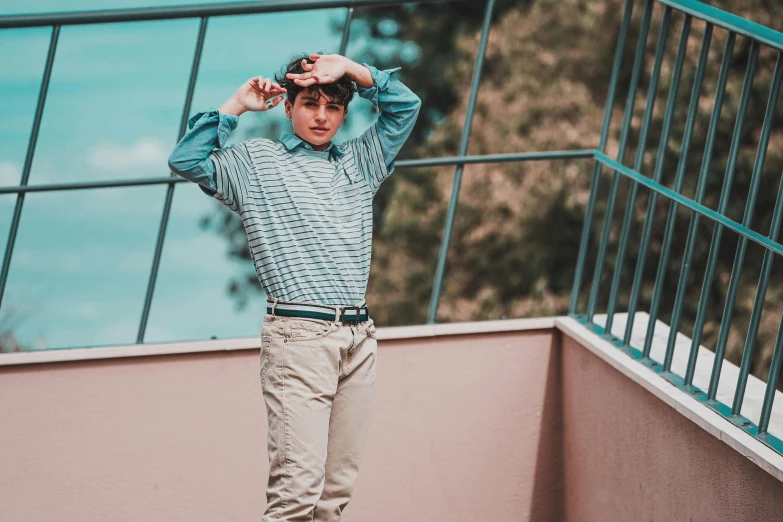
(307, 213)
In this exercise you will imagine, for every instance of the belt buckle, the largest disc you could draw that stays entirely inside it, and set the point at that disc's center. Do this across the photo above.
(351, 321)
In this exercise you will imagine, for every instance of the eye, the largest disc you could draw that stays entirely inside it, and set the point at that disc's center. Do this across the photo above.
(310, 104)
(334, 107)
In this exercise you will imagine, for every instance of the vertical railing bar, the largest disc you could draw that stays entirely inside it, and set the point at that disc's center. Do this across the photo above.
(777, 353)
(28, 160)
(761, 292)
(739, 257)
(346, 31)
(605, 125)
(772, 380)
(625, 131)
(701, 187)
(170, 190)
(652, 93)
(463, 148)
(661, 158)
(712, 259)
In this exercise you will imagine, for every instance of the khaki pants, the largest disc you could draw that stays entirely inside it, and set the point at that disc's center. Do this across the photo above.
(317, 378)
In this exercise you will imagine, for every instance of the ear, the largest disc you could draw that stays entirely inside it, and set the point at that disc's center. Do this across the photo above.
(345, 113)
(288, 108)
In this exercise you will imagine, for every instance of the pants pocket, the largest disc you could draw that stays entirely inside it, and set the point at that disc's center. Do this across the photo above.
(301, 330)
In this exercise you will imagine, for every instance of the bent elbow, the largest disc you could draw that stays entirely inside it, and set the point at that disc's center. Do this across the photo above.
(180, 165)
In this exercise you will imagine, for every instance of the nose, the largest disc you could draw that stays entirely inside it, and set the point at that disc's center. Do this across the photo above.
(320, 115)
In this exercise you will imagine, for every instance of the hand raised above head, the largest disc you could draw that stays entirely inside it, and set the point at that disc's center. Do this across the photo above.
(326, 68)
(259, 94)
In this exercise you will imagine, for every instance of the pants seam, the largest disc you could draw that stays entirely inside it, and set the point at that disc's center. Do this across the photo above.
(286, 464)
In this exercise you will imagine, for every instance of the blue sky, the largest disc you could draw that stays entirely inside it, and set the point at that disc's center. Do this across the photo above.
(82, 259)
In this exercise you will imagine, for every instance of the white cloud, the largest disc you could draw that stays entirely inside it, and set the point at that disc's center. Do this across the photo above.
(10, 173)
(144, 153)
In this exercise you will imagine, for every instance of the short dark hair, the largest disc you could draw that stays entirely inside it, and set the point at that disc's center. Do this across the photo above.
(340, 91)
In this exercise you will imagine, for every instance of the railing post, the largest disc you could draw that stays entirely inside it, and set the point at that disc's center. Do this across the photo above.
(164, 221)
(463, 149)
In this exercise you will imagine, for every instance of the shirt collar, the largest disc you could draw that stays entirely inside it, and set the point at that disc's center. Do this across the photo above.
(291, 142)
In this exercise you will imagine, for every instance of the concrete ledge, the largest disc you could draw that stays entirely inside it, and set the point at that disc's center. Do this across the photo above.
(254, 343)
(710, 421)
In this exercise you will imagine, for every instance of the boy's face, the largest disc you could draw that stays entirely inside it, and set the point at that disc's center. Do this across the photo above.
(316, 119)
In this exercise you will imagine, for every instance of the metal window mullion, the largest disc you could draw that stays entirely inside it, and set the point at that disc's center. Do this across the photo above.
(170, 189)
(346, 31)
(402, 164)
(652, 93)
(28, 160)
(624, 132)
(463, 149)
(712, 259)
(739, 257)
(605, 125)
(662, 147)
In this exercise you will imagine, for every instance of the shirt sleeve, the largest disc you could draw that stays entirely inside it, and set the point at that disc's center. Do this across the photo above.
(399, 108)
(201, 157)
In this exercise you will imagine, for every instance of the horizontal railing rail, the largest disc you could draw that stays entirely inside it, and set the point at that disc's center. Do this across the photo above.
(400, 164)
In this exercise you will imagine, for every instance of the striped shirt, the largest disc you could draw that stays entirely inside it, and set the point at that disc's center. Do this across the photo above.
(307, 214)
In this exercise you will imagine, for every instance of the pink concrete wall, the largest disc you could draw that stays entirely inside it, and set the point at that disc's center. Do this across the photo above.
(463, 428)
(630, 457)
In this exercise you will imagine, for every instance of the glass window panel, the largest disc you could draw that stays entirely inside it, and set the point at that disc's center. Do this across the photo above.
(80, 267)
(515, 240)
(192, 300)
(24, 52)
(427, 42)
(115, 101)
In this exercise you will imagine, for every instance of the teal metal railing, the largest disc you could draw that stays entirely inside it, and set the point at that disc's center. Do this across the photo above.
(758, 37)
(582, 309)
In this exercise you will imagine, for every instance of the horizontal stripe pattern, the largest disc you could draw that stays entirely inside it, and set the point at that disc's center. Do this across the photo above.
(308, 216)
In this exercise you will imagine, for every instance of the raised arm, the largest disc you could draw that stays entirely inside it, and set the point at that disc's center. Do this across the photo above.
(399, 107)
(201, 155)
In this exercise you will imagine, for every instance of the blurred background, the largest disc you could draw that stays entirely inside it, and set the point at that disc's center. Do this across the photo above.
(81, 263)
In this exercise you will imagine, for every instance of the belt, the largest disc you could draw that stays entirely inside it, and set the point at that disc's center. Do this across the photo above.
(343, 314)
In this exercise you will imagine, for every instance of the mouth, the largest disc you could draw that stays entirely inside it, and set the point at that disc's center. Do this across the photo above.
(319, 130)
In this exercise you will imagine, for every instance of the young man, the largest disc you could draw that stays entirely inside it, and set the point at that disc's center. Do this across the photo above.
(306, 204)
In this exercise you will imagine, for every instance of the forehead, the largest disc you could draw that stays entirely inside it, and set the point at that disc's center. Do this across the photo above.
(317, 95)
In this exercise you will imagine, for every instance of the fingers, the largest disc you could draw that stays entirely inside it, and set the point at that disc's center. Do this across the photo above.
(274, 101)
(307, 66)
(315, 57)
(306, 82)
